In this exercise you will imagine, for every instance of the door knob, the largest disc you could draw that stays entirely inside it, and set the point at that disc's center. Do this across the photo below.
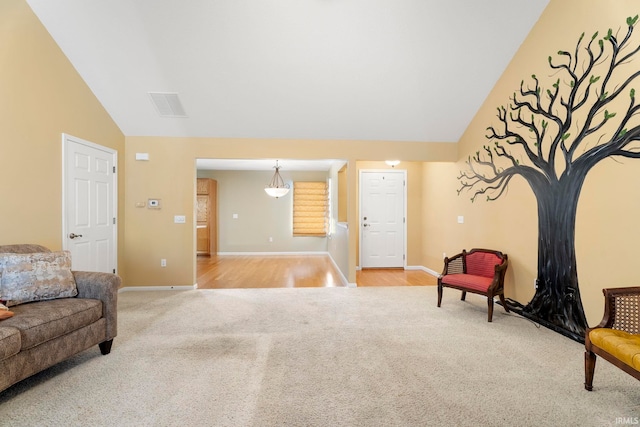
(73, 236)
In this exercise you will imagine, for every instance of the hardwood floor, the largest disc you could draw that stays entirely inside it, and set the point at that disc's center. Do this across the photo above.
(289, 271)
(394, 277)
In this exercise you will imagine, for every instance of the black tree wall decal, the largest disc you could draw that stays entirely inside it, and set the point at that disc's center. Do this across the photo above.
(552, 138)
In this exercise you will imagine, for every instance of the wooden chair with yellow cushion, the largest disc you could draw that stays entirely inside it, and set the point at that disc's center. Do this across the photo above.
(617, 337)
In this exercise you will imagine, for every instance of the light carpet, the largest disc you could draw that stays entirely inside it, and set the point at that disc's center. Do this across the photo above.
(322, 357)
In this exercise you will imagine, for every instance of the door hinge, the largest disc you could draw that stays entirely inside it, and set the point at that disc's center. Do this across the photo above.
(114, 169)
(404, 220)
(114, 220)
(403, 257)
(114, 271)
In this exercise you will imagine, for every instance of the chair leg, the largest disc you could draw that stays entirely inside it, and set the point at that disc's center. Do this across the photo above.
(439, 294)
(504, 303)
(464, 295)
(589, 368)
(490, 308)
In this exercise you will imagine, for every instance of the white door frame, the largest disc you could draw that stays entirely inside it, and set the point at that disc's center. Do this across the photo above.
(66, 140)
(404, 211)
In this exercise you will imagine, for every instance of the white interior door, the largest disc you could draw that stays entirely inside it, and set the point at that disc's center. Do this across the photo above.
(382, 218)
(89, 205)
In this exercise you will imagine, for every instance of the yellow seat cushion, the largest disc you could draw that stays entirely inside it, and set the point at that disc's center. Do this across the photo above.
(620, 344)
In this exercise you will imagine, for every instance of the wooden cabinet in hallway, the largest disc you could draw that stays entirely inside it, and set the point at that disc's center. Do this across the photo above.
(206, 216)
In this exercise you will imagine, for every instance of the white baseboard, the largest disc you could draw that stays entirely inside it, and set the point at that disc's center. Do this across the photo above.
(343, 279)
(157, 288)
(423, 268)
(274, 253)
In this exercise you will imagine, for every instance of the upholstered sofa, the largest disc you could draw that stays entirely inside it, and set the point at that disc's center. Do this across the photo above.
(480, 271)
(43, 333)
(617, 338)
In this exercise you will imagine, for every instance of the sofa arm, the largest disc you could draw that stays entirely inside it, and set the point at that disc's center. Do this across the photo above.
(621, 309)
(102, 286)
(454, 264)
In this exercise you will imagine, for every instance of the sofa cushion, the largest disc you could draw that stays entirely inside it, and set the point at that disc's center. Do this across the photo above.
(469, 281)
(36, 277)
(620, 344)
(9, 342)
(42, 321)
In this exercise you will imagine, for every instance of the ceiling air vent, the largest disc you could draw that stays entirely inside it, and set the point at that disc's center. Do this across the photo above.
(167, 104)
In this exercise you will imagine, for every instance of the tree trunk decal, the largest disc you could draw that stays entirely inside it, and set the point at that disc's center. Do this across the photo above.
(552, 138)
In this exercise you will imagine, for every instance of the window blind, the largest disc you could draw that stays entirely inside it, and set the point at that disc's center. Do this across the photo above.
(310, 208)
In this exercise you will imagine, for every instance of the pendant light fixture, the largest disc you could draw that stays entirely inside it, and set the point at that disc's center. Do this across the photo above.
(277, 188)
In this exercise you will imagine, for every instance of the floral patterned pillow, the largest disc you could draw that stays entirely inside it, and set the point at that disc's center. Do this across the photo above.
(36, 277)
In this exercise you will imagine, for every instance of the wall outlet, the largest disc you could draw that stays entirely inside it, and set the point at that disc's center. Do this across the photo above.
(163, 262)
(535, 283)
(179, 219)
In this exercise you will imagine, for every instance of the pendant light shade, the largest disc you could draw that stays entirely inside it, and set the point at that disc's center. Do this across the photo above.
(277, 188)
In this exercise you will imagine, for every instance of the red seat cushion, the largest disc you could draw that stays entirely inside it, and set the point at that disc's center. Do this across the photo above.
(469, 281)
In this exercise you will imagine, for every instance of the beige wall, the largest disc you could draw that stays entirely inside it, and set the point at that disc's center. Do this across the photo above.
(170, 176)
(41, 97)
(259, 216)
(606, 229)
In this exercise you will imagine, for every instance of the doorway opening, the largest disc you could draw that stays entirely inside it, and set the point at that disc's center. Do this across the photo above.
(250, 223)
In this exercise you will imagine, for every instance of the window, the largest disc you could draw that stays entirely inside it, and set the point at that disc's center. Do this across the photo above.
(310, 209)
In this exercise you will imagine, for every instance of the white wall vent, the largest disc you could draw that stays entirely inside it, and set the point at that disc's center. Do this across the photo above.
(167, 104)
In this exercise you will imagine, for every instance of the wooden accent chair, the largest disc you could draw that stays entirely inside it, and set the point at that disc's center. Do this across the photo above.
(617, 337)
(480, 271)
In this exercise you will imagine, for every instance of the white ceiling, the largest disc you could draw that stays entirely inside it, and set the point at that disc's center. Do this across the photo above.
(396, 70)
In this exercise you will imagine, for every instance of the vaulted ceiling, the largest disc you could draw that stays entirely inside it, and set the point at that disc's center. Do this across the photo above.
(394, 70)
